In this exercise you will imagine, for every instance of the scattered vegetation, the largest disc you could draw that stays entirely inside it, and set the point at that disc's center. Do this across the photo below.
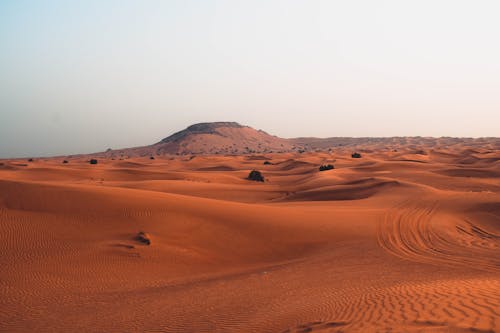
(93, 161)
(326, 167)
(356, 155)
(256, 176)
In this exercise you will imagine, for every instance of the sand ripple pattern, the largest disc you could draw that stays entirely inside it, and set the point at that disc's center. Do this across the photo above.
(420, 232)
(470, 305)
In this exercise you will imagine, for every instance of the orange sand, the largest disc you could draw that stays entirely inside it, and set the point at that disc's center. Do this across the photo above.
(395, 241)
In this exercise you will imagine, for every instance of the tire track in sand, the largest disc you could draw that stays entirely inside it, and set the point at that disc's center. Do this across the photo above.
(421, 233)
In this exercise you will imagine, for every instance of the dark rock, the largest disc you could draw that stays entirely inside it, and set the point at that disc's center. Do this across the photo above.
(143, 238)
(255, 176)
(267, 163)
(326, 167)
(151, 157)
(356, 155)
(65, 161)
(93, 161)
(30, 160)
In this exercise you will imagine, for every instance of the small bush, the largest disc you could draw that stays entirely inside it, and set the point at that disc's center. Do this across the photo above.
(356, 155)
(267, 163)
(93, 161)
(65, 161)
(30, 160)
(151, 157)
(326, 167)
(256, 176)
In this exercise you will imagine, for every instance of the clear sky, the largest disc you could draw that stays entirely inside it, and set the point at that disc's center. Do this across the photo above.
(82, 76)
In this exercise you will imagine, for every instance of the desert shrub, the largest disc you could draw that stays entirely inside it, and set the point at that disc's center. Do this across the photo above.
(30, 160)
(151, 157)
(356, 155)
(326, 167)
(65, 161)
(93, 161)
(267, 163)
(256, 176)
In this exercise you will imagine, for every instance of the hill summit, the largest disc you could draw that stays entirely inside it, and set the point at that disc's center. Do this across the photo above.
(201, 128)
(220, 138)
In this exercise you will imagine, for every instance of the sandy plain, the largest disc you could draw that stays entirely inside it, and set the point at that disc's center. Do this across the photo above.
(397, 241)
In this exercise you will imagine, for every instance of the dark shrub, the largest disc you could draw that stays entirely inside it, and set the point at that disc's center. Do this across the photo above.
(256, 176)
(151, 157)
(356, 155)
(65, 161)
(143, 238)
(267, 163)
(30, 160)
(326, 167)
(93, 161)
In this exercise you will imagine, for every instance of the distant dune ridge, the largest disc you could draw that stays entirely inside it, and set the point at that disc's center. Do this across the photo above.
(234, 139)
(405, 238)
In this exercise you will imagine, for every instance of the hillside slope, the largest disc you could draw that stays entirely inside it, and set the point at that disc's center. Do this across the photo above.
(231, 138)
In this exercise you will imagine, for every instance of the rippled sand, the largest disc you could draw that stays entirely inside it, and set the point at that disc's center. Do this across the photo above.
(398, 240)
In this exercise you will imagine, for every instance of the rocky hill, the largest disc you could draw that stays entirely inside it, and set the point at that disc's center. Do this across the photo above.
(231, 138)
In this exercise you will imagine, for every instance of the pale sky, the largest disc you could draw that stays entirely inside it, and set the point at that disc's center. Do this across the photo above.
(82, 76)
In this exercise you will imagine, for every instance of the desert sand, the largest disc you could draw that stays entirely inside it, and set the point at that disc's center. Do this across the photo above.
(400, 240)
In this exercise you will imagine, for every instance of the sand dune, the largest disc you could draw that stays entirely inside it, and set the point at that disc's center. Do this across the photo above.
(404, 239)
